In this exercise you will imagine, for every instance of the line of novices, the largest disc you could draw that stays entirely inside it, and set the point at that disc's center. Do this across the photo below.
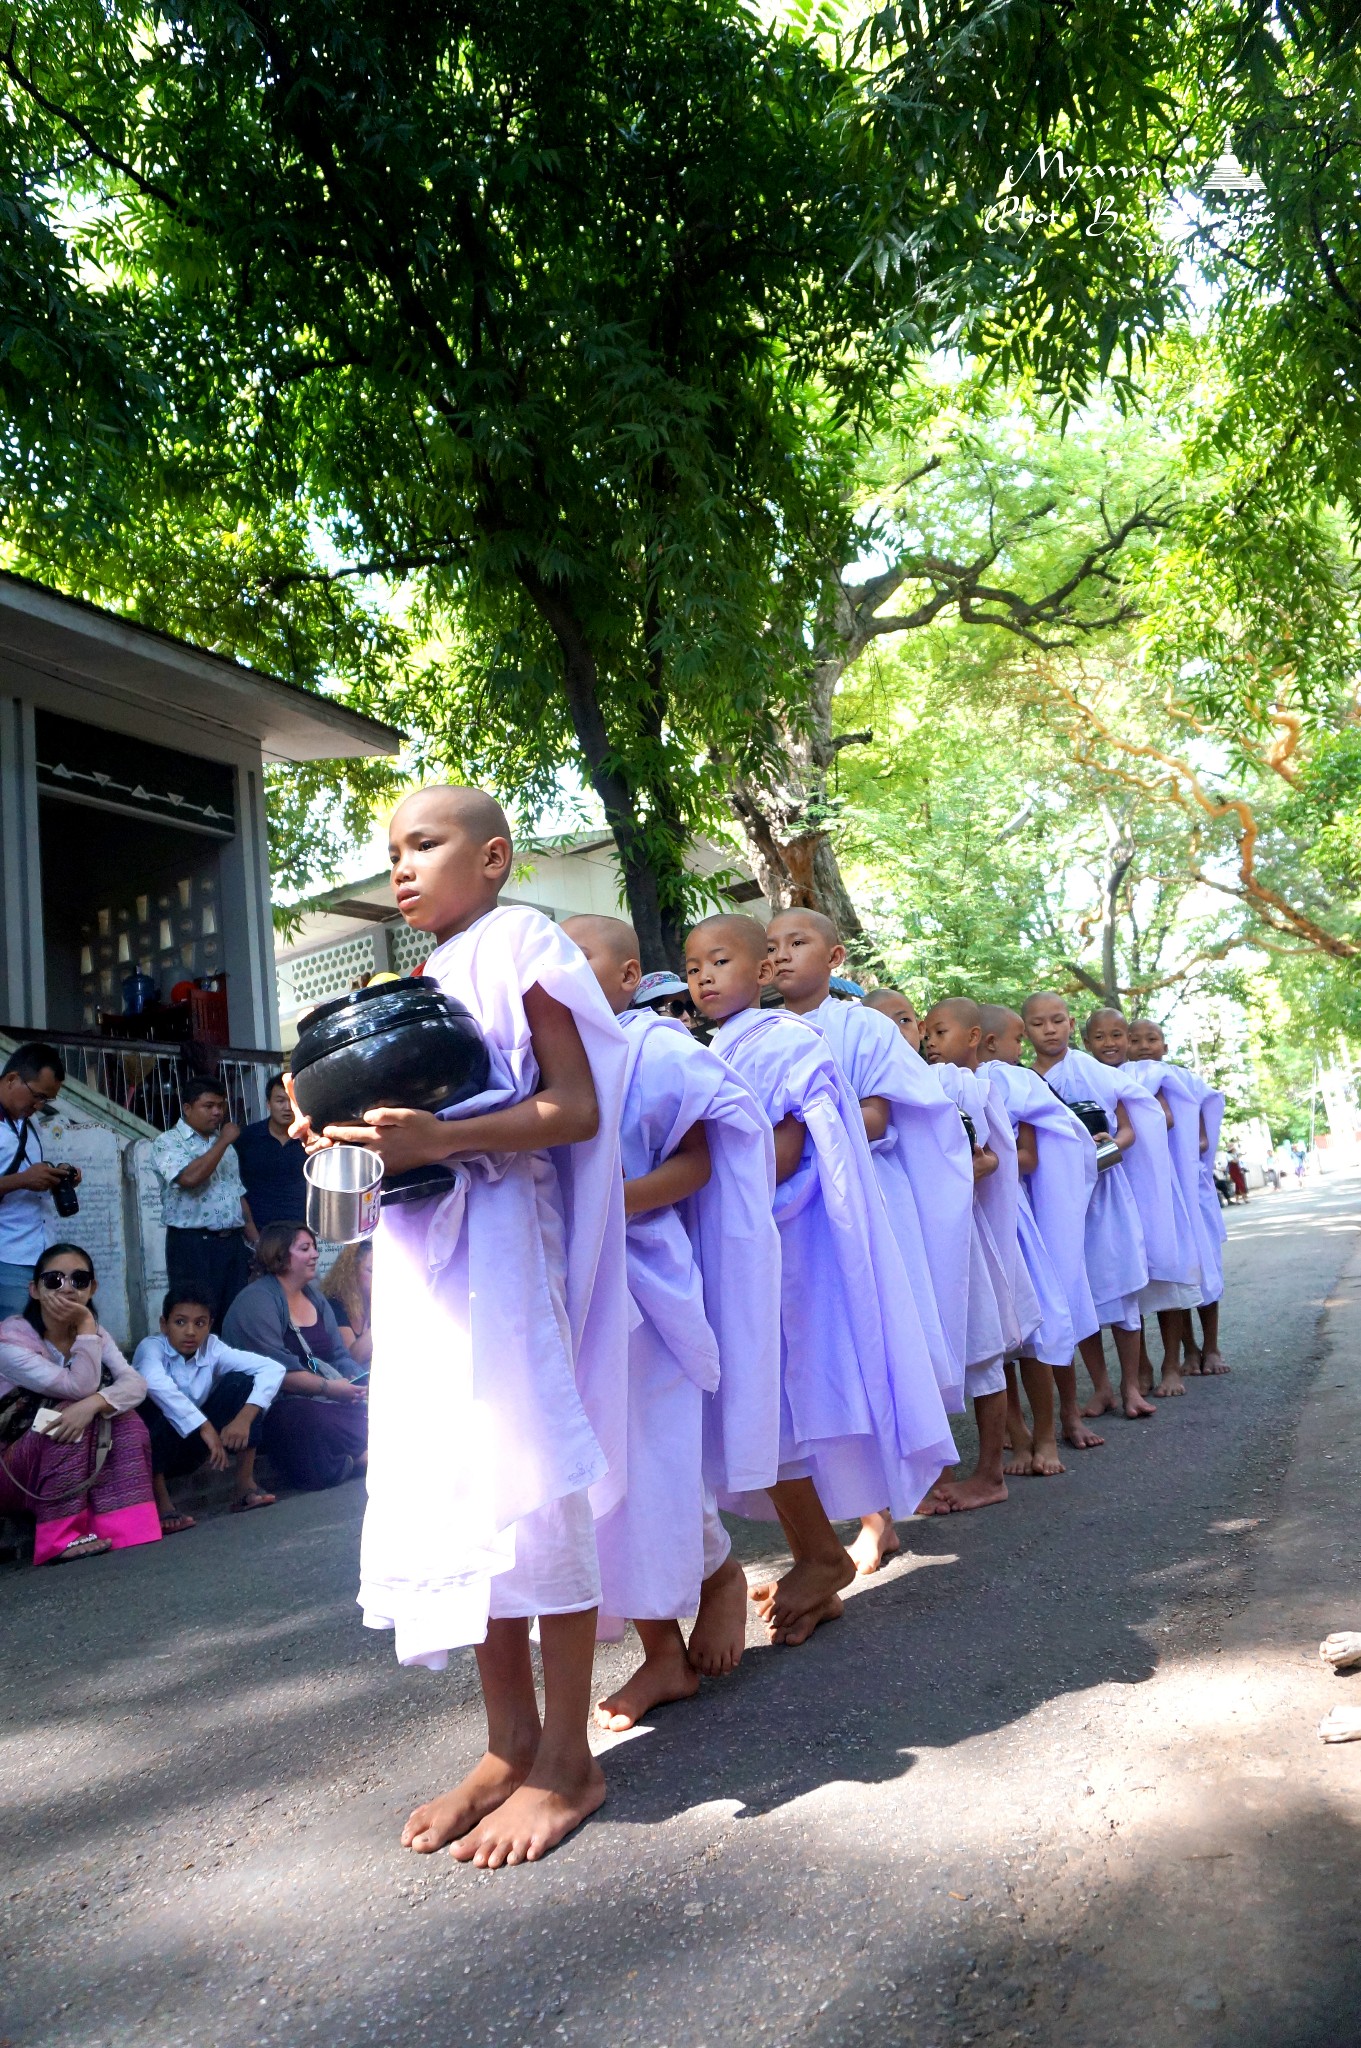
(755, 1275)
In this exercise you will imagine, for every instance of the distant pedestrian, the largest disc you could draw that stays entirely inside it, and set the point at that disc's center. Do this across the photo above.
(29, 1080)
(271, 1164)
(202, 1200)
(1237, 1178)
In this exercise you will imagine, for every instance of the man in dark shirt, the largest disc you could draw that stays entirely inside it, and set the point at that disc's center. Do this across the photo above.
(271, 1165)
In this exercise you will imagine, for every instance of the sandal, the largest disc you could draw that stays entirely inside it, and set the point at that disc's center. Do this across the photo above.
(82, 1546)
(175, 1525)
(254, 1499)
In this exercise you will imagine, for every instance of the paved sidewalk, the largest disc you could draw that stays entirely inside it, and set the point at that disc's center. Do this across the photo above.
(1054, 1778)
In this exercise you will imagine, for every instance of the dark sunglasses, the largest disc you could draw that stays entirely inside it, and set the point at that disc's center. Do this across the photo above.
(675, 1006)
(82, 1277)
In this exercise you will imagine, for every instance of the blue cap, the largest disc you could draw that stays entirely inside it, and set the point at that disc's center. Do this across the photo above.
(653, 988)
(842, 985)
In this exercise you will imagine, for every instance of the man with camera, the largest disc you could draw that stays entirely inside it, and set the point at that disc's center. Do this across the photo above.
(30, 1079)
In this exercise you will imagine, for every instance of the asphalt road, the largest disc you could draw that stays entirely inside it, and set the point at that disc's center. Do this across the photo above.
(969, 1812)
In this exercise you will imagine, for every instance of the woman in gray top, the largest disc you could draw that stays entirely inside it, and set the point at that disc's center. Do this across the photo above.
(315, 1431)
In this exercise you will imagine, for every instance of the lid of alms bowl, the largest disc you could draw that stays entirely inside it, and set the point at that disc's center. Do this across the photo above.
(375, 1011)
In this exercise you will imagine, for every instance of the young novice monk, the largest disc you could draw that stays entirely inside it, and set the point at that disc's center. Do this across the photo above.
(1003, 1310)
(1197, 1111)
(704, 1274)
(206, 1404)
(921, 1156)
(1169, 1236)
(896, 1007)
(1057, 1163)
(1117, 1265)
(861, 1417)
(498, 1394)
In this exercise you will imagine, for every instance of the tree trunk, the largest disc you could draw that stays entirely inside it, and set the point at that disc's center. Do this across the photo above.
(660, 937)
(1120, 851)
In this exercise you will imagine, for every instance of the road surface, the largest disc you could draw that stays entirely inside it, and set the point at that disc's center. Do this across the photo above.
(1053, 1778)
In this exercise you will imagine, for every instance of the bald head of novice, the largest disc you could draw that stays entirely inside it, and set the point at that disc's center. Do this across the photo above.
(899, 1010)
(1048, 1025)
(612, 954)
(952, 1031)
(450, 851)
(805, 951)
(726, 965)
(1146, 1040)
(1106, 1036)
(1003, 1031)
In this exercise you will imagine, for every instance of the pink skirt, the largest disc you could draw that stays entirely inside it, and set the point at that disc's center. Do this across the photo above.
(41, 1478)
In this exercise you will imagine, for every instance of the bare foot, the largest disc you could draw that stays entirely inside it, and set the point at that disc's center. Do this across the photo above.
(1077, 1434)
(1020, 1467)
(1045, 1462)
(719, 1635)
(800, 1630)
(1191, 1365)
(1342, 1649)
(1105, 1403)
(662, 1676)
(1212, 1364)
(973, 1493)
(805, 1587)
(1171, 1383)
(488, 1785)
(1137, 1409)
(533, 1820)
(1146, 1378)
(932, 1504)
(877, 1540)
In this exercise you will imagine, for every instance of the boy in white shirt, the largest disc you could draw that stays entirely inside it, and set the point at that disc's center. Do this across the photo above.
(205, 1405)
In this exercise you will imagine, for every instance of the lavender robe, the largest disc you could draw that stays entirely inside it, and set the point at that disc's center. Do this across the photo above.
(1184, 1094)
(1169, 1242)
(705, 1281)
(1052, 1210)
(861, 1413)
(1117, 1263)
(994, 1325)
(1213, 1232)
(500, 1318)
(924, 1170)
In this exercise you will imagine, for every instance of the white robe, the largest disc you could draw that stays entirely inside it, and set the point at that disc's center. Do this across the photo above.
(995, 1326)
(861, 1413)
(705, 1281)
(500, 1317)
(1184, 1094)
(925, 1172)
(1052, 1210)
(1169, 1240)
(1117, 1263)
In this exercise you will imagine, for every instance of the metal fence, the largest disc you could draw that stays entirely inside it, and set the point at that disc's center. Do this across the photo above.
(145, 1079)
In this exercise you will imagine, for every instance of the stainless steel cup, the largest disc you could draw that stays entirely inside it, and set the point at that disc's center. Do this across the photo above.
(343, 1197)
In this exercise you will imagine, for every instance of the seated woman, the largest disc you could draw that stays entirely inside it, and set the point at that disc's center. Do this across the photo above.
(349, 1289)
(86, 1480)
(316, 1429)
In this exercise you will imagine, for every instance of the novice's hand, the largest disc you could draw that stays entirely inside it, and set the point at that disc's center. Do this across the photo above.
(217, 1455)
(402, 1138)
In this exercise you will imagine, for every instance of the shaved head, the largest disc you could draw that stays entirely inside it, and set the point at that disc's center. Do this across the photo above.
(884, 998)
(471, 810)
(960, 1010)
(1045, 995)
(747, 934)
(996, 1017)
(823, 926)
(614, 935)
(1104, 1014)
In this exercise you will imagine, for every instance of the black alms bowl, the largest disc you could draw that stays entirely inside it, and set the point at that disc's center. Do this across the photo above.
(399, 1045)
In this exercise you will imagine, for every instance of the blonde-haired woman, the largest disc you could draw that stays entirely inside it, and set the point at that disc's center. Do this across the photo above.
(349, 1289)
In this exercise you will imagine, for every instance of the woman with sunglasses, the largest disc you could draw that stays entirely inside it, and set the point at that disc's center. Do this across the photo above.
(86, 1478)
